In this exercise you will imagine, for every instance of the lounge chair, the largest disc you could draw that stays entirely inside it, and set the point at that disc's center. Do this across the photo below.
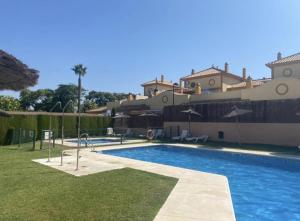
(203, 138)
(158, 133)
(128, 133)
(183, 135)
(110, 131)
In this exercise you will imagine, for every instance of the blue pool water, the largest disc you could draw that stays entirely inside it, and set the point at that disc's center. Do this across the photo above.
(262, 188)
(96, 141)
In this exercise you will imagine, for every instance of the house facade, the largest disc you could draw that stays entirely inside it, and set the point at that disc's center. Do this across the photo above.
(274, 103)
(211, 80)
(154, 87)
(287, 67)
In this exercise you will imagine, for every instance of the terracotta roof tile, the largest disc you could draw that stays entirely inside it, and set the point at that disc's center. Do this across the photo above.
(286, 60)
(166, 82)
(206, 72)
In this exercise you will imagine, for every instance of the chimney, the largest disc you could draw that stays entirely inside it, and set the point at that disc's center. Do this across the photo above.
(244, 74)
(249, 83)
(181, 84)
(226, 67)
(193, 72)
(130, 97)
(162, 78)
(279, 56)
(198, 89)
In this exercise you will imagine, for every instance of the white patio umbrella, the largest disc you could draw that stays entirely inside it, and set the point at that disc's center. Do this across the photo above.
(191, 112)
(236, 112)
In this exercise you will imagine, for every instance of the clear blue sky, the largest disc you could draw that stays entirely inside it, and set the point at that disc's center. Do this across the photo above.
(126, 42)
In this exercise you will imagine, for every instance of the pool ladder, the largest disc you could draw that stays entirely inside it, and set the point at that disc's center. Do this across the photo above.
(87, 141)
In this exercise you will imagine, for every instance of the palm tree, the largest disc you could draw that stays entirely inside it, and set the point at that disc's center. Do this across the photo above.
(79, 70)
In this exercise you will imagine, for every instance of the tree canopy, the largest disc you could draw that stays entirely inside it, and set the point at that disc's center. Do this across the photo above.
(44, 99)
(9, 103)
(79, 69)
(101, 98)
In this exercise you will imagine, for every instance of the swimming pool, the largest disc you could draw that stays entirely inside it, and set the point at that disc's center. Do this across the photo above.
(97, 141)
(262, 188)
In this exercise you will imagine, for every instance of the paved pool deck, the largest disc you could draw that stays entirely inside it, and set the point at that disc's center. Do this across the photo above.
(196, 196)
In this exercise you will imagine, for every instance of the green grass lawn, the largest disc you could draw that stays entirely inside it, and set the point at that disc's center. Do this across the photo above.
(30, 191)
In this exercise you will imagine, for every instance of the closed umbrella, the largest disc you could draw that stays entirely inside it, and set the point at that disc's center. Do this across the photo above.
(191, 112)
(14, 75)
(121, 116)
(236, 113)
(147, 115)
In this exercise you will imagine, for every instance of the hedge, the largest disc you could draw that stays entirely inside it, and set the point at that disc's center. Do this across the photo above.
(90, 124)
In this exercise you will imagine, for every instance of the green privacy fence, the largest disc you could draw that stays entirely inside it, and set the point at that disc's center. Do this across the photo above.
(10, 126)
(22, 138)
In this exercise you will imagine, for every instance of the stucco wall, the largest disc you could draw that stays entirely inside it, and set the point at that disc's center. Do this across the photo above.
(256, 133)
(159, 87)
(165, 99)
(216, 96)
(282, 72)
(207, 82)
(230, 80)
(134, 102)
(280, 88)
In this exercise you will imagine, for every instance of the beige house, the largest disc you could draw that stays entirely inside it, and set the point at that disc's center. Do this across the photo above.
(210, 80)
(287, 67)
(154, 87)
(215, 86)
(217, 80)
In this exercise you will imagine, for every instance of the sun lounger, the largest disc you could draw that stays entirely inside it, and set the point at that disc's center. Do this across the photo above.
(128, 133)
(110, 131)
(158, 133)
(203, 138)
(184, 134)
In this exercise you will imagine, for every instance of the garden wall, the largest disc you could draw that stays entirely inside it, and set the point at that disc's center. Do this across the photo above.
(270, 122)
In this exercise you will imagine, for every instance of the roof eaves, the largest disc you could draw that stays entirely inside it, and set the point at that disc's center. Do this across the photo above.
(192, 75)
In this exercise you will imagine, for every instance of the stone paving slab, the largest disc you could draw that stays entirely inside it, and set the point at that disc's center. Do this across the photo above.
(86, 165)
